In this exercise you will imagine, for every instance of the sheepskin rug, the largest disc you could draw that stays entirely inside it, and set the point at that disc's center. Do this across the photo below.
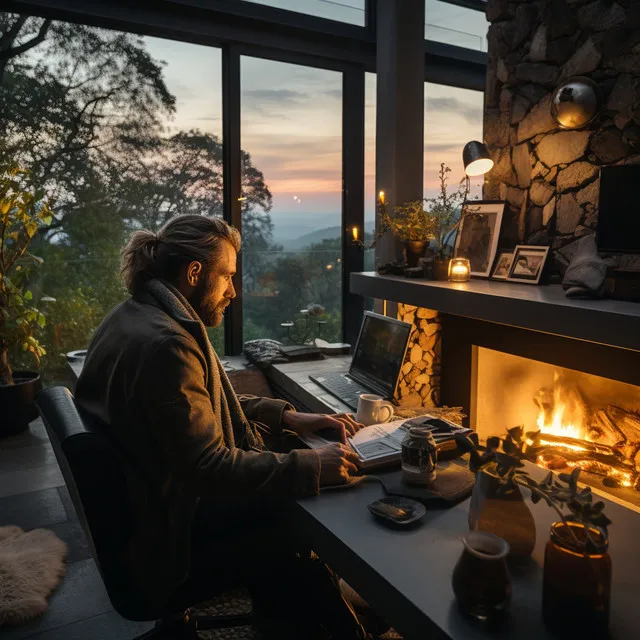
(31, 567)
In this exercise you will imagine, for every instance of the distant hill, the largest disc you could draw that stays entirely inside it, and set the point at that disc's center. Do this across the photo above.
(315, 237)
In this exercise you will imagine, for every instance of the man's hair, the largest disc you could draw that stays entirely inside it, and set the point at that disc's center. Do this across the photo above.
(183, 239)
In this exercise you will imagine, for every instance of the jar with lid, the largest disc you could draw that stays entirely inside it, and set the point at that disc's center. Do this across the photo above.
(419, 456)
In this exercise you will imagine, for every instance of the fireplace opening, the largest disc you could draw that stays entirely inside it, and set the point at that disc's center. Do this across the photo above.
(586, 421)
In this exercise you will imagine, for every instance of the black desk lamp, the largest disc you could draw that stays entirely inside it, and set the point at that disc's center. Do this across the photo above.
(476, 159)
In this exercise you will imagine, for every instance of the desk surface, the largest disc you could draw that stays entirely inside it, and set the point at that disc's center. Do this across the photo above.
(406, 575)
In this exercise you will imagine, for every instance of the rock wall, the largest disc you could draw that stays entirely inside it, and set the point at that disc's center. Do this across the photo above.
(419, 383)
(548, 176)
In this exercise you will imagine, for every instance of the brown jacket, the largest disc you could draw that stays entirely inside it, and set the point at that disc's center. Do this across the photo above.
(145, 379)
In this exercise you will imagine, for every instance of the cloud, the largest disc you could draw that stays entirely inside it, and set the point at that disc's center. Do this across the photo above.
(271, 96)
(471, 113)
(440, 147)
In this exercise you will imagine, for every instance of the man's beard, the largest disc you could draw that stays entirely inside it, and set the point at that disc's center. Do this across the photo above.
(210, 313)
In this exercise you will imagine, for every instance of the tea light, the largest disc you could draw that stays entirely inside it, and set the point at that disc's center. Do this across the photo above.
(459, 270)
(355, 233)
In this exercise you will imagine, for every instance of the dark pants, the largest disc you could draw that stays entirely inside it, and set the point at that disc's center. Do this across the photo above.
(294, 593)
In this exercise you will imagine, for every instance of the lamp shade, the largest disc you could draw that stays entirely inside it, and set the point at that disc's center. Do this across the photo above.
(476, 159)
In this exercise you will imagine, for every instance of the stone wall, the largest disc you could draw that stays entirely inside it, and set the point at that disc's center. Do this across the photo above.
(419, 383)
(548, 176)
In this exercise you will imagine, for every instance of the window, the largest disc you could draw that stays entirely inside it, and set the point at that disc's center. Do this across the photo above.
(351, 11)
(451, 24)
(122, 141)
(452, 117)
(292, 255)
(370, 196)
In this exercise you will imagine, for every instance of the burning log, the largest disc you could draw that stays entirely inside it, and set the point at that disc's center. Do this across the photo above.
(581, 446)
(607, 428)
(628, 422)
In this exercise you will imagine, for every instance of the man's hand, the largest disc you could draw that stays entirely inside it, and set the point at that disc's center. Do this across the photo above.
(305, 424)
(337, 463)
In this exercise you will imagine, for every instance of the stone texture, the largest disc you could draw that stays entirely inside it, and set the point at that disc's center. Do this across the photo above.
(537, 72)
(496, 128)
(590, 194)
(625, 64)
(538, 48)
(620, 40)
(623, 118)
(515, 197)
(526, 18)
(575, 175)
(503, 169)
(625, 93)
(497, 10)
(559, 18)
(537, 121)
(559, 51)
(548, 211)
(563, 147)
(502, 71)
(522, 164)
(519, 107)
(600, 16)
(540, 193)
(585, 60)
(608, 146)
(426, 314)
(568, 213)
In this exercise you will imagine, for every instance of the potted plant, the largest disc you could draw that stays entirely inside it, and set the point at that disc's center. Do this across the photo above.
(446, 211)
(497, 504)
(22, 212)
(411, 224)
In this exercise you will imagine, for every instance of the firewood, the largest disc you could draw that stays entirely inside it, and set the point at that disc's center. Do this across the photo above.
(610, 432)
(628, 422)
(552, 441)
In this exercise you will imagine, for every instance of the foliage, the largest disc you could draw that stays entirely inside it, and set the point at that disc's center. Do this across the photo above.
(505, 459)
(408, 222)
(23, 211)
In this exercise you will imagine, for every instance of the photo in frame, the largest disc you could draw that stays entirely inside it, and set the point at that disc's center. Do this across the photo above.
(528, 264)
(478, 235)
(503, 265)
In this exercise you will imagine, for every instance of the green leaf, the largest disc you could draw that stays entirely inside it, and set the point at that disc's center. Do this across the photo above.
(41, 320)
(28, 295)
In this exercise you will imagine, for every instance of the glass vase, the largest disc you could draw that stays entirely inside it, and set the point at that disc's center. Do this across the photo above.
(502, 510)
(577, 581)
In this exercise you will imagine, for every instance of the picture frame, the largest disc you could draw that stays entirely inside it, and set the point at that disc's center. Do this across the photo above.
(478, 234)
(528, 264)
(502, 266)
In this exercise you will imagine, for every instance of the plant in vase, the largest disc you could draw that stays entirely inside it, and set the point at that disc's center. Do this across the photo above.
(22, 212)
(302, 329)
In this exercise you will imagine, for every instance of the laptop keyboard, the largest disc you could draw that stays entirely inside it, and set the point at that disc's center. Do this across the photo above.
(342, 387)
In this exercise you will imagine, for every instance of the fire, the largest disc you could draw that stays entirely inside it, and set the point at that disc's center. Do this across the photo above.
(557, 426)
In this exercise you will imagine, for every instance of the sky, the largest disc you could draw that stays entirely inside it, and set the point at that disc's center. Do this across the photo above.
(291, 115)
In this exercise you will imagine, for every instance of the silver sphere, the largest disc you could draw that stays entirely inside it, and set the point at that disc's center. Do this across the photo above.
(576, 103)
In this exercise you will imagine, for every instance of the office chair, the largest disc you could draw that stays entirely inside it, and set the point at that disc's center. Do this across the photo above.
(95, 479)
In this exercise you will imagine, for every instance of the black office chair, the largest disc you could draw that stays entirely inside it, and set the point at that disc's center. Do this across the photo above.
(96, 482)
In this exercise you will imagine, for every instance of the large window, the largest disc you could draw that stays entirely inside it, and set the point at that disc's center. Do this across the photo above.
(452, 24)
(351, 11)
(292, 257)
(123, 132)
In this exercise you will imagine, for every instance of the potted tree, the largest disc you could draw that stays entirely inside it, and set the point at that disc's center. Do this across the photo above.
(23, 211)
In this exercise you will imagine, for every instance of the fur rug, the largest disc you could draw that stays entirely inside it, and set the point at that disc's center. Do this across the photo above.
(31, 567)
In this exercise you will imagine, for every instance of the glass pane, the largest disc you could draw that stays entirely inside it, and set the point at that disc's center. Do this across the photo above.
(369, 172)
(351, 11)
(452, 117)
(292, 252)
(449, 23)
(123, 132)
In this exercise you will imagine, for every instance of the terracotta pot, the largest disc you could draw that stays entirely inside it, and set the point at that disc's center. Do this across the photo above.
(441, 269)
(17, 408)
(576, 590)
(505, 514)
(414, 250)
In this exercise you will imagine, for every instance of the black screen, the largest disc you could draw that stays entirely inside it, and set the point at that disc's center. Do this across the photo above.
(619, 210)
(380, 350)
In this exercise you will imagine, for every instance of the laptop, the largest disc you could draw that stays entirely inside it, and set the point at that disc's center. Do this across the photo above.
(376, 363)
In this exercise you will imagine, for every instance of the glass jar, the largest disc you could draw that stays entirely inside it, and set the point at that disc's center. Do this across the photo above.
(577, 580)
(419, 456)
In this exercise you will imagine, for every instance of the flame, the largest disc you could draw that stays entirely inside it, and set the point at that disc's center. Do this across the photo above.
(557, 427)
(569, 418)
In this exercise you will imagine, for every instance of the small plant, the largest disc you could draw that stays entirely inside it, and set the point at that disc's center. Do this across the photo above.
(302, 329)
(22, 212)
(505, 459)
(408, 222)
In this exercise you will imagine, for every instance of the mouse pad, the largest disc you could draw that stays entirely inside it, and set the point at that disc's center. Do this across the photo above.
(454, 483)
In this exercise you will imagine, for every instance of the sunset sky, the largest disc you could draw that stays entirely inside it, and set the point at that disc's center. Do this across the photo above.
(291, 115)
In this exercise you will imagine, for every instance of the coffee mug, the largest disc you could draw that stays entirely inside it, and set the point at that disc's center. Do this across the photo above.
(373, 409)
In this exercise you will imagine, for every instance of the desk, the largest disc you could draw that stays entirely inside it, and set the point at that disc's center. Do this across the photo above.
(406, 575)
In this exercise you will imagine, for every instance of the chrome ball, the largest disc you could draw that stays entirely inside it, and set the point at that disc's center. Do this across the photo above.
(576, 103)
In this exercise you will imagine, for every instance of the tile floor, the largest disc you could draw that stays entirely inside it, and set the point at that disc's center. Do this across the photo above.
(33, 495)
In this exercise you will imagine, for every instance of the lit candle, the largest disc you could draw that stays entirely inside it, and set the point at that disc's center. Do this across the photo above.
(459, 270)
(381, 197)
(355, 233)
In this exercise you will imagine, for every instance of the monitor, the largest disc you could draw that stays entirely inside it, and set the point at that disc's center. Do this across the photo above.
(619, 209)
(380, 351)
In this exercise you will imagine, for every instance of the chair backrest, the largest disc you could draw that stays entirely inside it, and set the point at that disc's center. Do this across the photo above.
(95, 478)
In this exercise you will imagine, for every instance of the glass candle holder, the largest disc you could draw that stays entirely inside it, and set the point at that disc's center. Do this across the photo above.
(459, 270)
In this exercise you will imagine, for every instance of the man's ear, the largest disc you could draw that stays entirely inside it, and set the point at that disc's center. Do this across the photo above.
(193, 272)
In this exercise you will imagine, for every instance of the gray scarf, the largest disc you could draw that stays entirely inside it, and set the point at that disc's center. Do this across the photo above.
(237, 430)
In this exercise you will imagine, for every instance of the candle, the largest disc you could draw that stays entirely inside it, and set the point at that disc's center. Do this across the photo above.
(381, 197)
(459, 270)
(354, 233)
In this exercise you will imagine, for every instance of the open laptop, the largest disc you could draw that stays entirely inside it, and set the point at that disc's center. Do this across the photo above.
(377, 359)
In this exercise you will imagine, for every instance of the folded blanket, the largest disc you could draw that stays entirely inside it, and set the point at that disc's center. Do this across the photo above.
(585, 274)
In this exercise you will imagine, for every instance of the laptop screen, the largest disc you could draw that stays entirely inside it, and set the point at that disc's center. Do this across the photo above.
(380, 350)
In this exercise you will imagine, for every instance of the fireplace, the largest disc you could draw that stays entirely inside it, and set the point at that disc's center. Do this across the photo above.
(584, 398)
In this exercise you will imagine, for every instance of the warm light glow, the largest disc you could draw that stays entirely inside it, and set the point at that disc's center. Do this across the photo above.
(459, 270)
(568, 418)
(479, 167)
(381, 197)
(355, 233)
(241, 199)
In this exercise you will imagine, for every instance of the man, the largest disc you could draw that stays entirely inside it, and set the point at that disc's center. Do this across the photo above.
(208, 499)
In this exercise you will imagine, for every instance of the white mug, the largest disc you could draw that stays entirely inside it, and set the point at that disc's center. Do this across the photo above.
(373, 409)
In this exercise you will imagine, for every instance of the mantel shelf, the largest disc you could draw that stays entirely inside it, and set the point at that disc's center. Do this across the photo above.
(538, 308)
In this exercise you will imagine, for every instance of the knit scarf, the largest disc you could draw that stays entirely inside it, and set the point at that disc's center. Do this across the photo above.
(236, 429)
